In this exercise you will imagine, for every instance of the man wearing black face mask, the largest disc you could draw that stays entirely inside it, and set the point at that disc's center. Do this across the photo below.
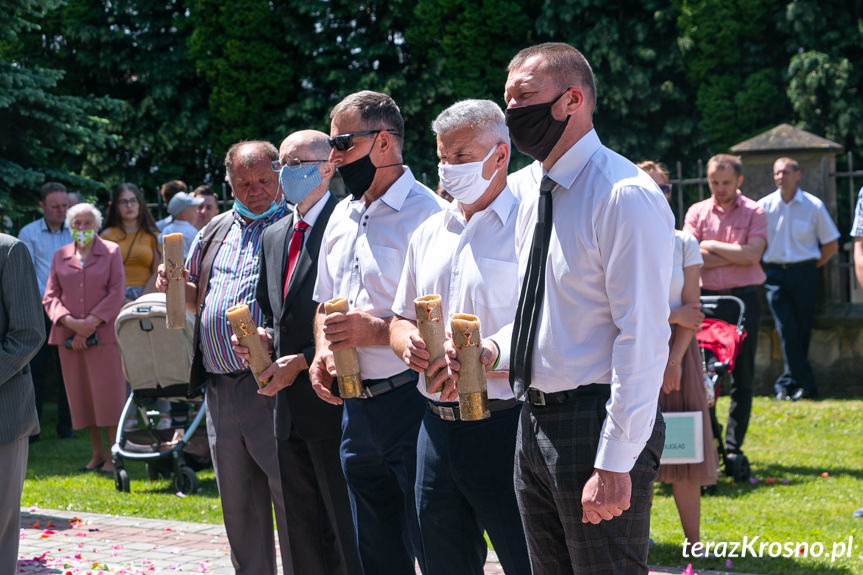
(361, 258)
(590, 338)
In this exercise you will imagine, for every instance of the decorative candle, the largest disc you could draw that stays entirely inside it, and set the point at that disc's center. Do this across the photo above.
(431, 327)
(247, 333)
(472, 391)
(172, 249)
(347, 361)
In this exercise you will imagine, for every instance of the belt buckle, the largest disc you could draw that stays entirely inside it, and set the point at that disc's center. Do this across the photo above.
(366, 392)
(536, 397)
(447, 413)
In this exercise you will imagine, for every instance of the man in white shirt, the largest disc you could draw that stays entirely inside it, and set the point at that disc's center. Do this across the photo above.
(183, 208)
(590, 339)
(361, 259)
(801, 237)
(465, 254)
(42, 238)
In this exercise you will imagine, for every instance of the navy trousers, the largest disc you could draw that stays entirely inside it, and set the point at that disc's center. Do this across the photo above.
(791, 297)
(740, 407)
(379, 457)
(465, 486)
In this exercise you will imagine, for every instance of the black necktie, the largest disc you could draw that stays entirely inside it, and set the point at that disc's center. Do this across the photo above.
(532, 291)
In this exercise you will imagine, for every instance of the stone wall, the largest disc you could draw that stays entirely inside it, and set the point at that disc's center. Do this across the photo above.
(836, 352)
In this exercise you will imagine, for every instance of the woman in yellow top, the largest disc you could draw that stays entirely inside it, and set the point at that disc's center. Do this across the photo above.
(131, 226)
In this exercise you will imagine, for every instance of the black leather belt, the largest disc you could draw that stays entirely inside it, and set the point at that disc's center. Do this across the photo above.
(375, 387)
(450, 412)
(788, 266)
(539, 398)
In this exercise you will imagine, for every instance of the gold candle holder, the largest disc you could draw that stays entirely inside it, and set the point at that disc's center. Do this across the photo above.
(472, 390)
(431, 327)
(175, 296)
(347, 361)
(247, 333)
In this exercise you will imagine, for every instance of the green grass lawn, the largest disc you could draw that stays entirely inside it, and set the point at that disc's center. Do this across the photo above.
(792, 443)
(814, 452)
(53, 482)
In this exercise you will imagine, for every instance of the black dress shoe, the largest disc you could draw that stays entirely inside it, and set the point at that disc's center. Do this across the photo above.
(803, 393)
(66, 434)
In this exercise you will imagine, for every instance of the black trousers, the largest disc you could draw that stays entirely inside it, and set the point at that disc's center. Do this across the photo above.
(48, 381)
(555, 451)
(317, 507)
(744, 369)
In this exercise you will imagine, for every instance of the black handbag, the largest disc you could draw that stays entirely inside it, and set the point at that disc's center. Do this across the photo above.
(90, 341)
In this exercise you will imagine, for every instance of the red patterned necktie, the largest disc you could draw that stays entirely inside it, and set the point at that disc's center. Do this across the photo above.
(294, 251)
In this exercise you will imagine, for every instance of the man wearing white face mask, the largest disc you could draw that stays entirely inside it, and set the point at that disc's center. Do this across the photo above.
(466, 254)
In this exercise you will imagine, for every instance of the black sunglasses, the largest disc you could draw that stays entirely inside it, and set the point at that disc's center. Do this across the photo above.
(344, 142)
(666, 188)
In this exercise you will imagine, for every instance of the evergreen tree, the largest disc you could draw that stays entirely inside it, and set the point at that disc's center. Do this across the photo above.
(47, 134)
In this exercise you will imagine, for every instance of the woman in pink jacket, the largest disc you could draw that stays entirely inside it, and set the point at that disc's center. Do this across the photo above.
(83, 296)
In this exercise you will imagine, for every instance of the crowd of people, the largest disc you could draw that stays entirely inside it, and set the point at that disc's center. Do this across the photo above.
(588, 300)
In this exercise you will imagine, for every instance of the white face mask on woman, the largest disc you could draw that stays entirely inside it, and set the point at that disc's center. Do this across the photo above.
(464, 182)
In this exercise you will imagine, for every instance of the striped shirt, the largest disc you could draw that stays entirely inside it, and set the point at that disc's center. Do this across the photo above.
(232, 282)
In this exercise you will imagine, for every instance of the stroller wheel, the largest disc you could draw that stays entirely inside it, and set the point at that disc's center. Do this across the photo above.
(121, 480)
(185, 481)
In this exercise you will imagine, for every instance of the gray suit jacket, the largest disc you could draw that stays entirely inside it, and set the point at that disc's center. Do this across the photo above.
(22, 331)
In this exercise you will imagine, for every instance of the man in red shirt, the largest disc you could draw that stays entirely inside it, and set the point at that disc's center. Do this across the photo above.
(732, 232)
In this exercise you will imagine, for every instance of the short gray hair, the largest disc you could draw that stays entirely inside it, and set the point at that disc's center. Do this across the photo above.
(483, 117)
(85, 207)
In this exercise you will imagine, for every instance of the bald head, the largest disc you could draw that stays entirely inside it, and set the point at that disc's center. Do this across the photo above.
(306, 145)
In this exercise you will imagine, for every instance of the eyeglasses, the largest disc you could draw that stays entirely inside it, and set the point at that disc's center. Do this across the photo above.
(666, 188)
(277, 164)
(132, 202)
(344, 142)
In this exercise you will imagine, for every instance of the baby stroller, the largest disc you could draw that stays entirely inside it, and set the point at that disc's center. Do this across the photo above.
(720, 344)
(156, 363)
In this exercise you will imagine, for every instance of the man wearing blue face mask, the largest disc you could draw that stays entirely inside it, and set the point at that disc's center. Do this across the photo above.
(466, 254)
(223, 266)
(308, 430)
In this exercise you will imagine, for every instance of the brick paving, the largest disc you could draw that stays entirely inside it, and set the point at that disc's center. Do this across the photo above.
(54, 542)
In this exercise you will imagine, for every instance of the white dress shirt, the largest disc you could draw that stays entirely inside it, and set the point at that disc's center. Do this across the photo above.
(604, 317)
(312, 214)
(42, 242)
(362, 255)
(472, 266)
(796, 230)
